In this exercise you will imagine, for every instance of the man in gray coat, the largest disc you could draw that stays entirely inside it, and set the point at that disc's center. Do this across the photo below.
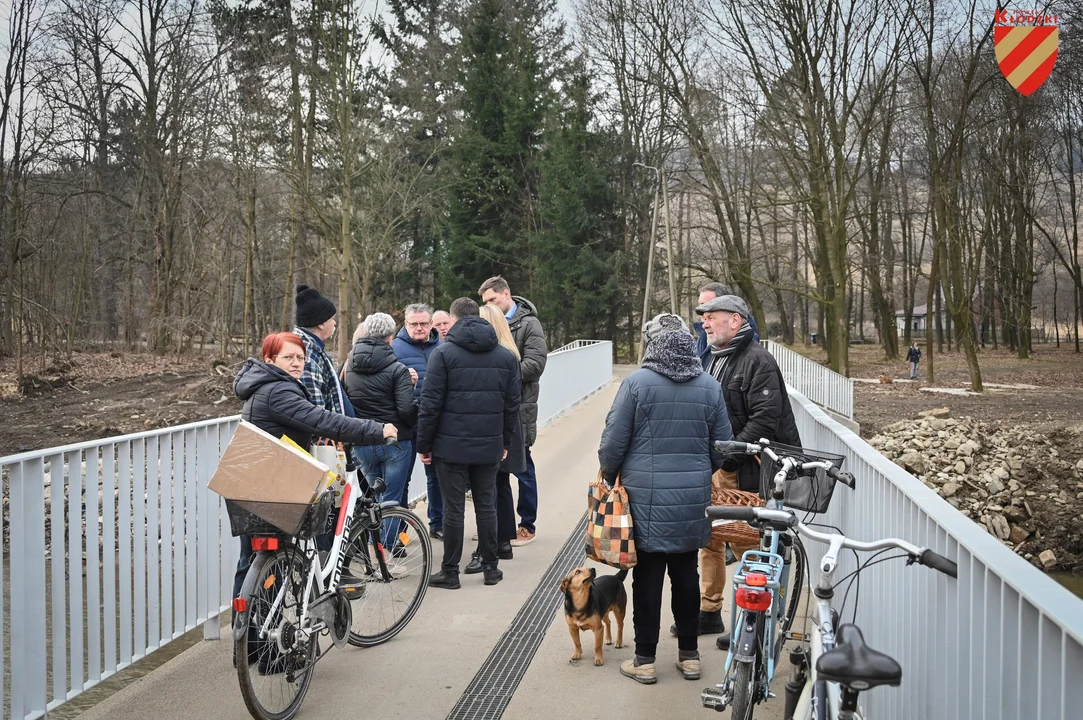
(658, 437)
(526, 328)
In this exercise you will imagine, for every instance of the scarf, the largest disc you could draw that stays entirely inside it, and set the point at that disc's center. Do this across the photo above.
(721, 356)
(673, 354)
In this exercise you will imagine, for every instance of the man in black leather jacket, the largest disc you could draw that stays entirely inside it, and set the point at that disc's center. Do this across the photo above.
(758, 407)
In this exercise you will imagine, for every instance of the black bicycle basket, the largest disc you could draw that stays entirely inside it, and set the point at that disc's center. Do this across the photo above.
(809, 490)
(303, 521)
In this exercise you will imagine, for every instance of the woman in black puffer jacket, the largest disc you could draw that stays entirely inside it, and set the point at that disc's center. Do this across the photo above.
(276, 402)
(382, 388)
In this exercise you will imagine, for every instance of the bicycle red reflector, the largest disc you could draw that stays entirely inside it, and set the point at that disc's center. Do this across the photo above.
(756, 580)
(755, 600)
(262, 544)
(240, 604)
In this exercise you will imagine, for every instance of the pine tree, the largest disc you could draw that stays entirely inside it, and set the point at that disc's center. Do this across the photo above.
(509, 53)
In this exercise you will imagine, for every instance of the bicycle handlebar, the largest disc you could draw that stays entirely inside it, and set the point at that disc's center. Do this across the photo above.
(783, 520)
(733, 447)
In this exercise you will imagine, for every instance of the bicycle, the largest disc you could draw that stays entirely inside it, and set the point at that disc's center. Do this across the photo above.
(766, 597)
(832, 668)
(294, 593)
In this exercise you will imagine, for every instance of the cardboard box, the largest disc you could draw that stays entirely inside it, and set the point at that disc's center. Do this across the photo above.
(258, 467)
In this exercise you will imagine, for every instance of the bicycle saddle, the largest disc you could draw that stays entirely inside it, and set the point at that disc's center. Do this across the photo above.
(855, 665)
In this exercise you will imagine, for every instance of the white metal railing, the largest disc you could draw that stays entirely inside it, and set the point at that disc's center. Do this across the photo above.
(117, 547)
(152, 556)
(822, 385)
(1003, 641)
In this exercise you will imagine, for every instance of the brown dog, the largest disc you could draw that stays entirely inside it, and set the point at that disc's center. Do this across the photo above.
(588, 600)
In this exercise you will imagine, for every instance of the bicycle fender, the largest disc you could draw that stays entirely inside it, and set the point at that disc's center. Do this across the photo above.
(747, 639)
(240, 620)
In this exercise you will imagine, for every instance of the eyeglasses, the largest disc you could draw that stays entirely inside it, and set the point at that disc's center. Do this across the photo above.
(291, 358)
(418, 324)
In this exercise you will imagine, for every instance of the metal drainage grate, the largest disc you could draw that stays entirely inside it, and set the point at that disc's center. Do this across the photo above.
(491, 689)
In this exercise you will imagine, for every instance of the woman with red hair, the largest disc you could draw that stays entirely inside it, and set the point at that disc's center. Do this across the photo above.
(276, 402)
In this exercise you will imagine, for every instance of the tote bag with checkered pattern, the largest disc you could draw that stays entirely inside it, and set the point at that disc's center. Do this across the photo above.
(610, 539)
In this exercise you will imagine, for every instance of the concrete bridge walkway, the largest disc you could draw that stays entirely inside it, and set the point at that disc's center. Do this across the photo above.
(427, 668)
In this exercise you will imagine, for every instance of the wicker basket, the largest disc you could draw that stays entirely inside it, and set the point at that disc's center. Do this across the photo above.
(740, 534)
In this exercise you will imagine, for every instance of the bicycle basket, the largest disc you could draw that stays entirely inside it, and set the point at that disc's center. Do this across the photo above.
(302, 520)
(738, 534)
(811, 490)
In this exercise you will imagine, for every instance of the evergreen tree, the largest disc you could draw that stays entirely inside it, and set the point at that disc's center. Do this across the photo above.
(579, 256)
(509, 55)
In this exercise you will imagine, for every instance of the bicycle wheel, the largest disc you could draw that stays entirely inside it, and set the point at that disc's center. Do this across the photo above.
(274, 670)
(384, 604)
(744, 691)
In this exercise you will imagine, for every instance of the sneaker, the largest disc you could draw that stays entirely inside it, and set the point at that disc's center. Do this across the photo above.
(474, 566)
(689, 668)
(524, 537)
(446, 580)
(640, 673)
(493, 575)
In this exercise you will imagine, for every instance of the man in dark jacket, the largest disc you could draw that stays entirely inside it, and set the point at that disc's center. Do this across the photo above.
(913, 356)
(703, 348)
(467, 421)
(526, 328)
(758, 407)
(413, 347)
(658, 436)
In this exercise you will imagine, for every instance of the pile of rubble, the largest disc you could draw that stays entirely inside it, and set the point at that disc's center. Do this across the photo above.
(1024, 488)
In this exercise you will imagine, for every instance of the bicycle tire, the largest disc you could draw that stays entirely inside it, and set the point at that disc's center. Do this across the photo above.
(379, 611)
(266, 656)
(744, 691)
(796, 586)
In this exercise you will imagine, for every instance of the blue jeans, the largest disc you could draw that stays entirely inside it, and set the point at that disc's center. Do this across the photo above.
(528, 494)
(393, 465)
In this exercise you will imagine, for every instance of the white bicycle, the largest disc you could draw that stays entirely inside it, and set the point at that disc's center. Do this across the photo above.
(831, 671)
(363, 591)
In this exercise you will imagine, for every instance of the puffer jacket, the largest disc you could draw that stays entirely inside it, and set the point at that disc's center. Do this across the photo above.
(469, 409)
(658, 436)
(278, 404)
(758, 406)
(415, 355)
(379, 386)
(526, 328)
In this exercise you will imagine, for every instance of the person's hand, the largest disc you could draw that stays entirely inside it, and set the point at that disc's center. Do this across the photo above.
(505, 456)
(390, 431)
(426, 458)
(413, 376)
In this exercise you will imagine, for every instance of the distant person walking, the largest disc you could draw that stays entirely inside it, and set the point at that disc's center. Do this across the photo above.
(913, 356)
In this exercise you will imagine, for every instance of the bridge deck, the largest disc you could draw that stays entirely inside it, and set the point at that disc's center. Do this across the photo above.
(424, 671)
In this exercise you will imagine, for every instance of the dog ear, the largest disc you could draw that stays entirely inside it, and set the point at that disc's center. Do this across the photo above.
(564, 585)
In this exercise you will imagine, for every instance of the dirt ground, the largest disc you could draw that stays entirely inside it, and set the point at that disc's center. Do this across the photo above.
(1055, 401)
(98, 395)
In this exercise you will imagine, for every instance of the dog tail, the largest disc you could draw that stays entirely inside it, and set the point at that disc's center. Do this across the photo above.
(622, 574)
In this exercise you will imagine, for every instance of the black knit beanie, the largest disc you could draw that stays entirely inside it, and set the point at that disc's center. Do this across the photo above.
(312, 308)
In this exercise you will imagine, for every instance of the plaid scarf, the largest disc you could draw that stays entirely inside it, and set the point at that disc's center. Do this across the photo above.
(721, 356)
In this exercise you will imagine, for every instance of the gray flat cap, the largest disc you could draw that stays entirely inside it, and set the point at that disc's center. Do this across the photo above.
(724, 303)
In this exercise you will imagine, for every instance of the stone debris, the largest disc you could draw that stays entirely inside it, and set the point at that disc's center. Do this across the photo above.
(1024, 488)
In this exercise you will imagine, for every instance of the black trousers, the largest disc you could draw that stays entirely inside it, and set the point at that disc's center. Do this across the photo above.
(455, 479)
(647, 578)
(506, 529)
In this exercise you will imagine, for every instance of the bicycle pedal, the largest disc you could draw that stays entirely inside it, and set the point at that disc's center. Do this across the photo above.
(714, 698)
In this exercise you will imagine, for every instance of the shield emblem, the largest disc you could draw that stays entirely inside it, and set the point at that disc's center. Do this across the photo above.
(1026, 54)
